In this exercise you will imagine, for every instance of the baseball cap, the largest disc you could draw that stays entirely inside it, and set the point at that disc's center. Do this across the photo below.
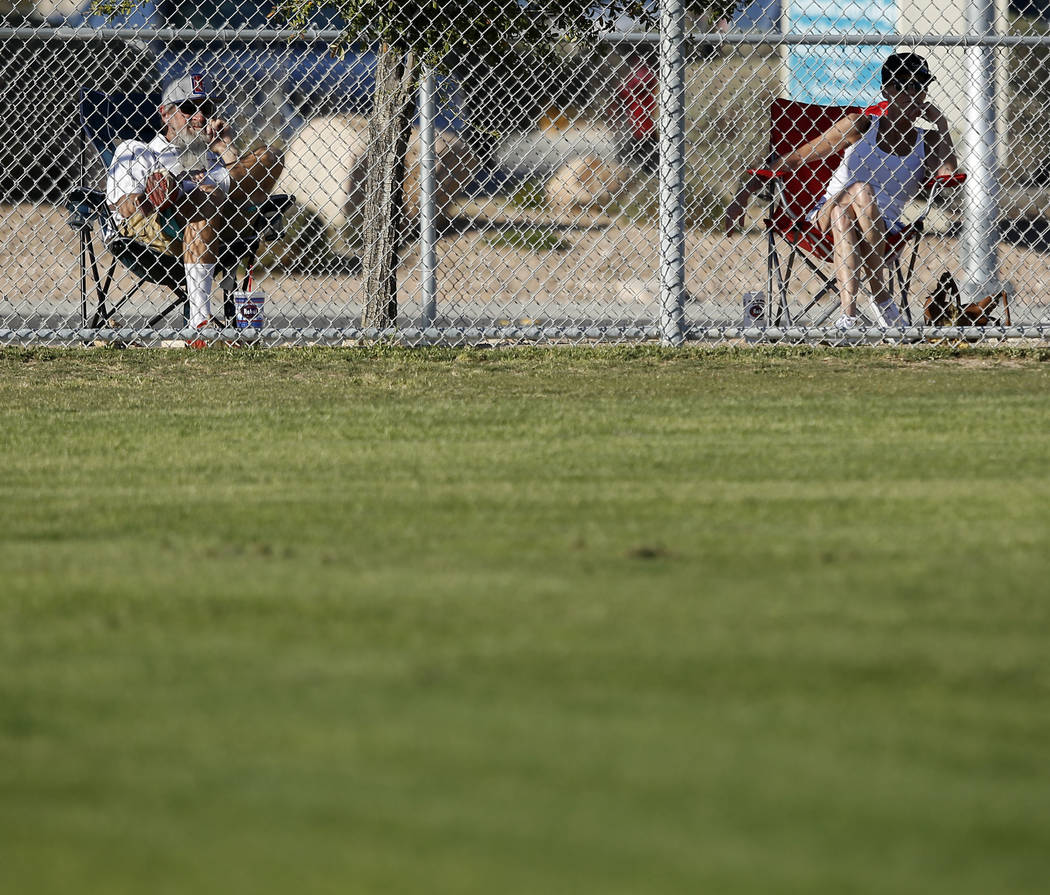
(195, 85)
(906, 68)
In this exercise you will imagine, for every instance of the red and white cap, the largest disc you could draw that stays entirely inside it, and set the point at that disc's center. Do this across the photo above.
(195, 85)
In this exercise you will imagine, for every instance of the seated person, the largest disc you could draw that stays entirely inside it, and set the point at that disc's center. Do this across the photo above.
(186, 191)
(887, 159)
(633, 114)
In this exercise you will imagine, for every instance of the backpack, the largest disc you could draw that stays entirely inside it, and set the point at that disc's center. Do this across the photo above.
(944, 306)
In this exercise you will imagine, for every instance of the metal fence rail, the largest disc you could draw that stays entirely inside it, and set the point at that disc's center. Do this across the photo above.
(583, 201)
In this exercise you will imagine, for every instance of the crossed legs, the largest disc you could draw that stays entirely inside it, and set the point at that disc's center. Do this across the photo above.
(209, 214)
(859, 232)
(212, 218)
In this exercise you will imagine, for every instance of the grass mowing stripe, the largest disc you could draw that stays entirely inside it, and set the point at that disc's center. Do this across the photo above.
(611, 620)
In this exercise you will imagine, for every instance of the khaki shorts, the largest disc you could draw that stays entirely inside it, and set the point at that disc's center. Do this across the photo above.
(157, 230)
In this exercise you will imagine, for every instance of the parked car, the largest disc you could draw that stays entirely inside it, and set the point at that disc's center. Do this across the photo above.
(271, 85)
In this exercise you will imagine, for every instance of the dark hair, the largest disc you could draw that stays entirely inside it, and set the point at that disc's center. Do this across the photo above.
(906, 68)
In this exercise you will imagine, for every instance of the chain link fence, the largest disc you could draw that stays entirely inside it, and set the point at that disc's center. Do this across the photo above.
(584, 200)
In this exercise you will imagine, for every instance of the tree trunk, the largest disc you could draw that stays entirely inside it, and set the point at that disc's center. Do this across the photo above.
(388, 133)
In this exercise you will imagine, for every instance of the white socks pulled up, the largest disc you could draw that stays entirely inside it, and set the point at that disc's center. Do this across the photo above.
(199, 279)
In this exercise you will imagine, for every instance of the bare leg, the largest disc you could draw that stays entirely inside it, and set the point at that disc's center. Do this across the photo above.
(209, 216)
(847, 238)
(873, 232)
(198, 240)
(253, 178)
(859, 233)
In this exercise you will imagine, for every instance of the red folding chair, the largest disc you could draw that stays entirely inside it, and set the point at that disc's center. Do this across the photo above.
(793, 196)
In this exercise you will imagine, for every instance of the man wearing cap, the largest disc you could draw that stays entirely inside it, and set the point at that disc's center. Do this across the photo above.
(186, 188)
(886, 159)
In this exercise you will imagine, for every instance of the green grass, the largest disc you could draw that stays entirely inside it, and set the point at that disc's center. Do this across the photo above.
(611, 621)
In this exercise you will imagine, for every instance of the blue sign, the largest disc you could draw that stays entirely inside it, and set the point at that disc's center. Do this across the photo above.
(838, 75)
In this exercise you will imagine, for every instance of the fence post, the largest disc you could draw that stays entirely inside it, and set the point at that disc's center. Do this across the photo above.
(671, 124)
(427, 216)
(980, 237)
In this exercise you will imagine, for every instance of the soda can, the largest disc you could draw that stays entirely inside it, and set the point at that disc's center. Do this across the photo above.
(754, 312)
(248, 309)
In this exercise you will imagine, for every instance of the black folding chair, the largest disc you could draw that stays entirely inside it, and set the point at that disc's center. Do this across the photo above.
(105, 121)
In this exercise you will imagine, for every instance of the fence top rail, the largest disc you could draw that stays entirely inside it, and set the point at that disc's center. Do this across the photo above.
(767, 38)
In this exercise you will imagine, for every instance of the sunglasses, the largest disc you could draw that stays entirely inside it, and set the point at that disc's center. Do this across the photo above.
(915, 86)
(190, 107)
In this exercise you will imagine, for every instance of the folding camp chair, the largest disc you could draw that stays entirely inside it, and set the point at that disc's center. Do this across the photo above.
(106, 120)
(793, 196)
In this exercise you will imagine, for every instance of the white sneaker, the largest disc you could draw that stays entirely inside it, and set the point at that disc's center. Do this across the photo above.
(846, 322)
(887, 315)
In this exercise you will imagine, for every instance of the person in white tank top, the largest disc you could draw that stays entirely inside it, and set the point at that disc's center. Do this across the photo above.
(895, 179)
(887, 159)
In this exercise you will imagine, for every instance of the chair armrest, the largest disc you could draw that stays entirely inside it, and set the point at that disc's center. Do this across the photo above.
(270, 215)
(767, 174)
(277, 204)
(82, 194)
(85, 207)
(941, 181)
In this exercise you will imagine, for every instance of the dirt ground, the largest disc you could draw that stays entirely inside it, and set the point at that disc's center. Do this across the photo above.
(494, 267)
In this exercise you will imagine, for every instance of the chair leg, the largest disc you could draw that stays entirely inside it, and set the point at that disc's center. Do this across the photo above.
(228, 309)
(776, 282)
(784, 311)
(101, 288)
(771, 255)
(84, 237)
(827, 313)
(248, 260)
(813, 302)
(828, 286)
(109, 277)
(180, 298)
(226, 284)
(126, 298)
(905, 281)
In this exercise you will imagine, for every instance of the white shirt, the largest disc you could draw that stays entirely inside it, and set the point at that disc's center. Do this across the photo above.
(133, 161)
(894, 178)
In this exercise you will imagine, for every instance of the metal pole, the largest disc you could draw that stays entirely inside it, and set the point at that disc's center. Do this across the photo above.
(427, 225)
(980, 237)
(711, 39)
(671, 124)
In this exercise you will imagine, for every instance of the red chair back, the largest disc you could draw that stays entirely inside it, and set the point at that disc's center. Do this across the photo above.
(791, 125)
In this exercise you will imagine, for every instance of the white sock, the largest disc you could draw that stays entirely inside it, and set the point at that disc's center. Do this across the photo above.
(198, 289)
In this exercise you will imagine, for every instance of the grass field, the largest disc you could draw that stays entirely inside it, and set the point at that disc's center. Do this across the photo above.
(609, 621)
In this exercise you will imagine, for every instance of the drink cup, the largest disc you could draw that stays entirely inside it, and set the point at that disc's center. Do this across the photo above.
(248, 310)
(754, 312)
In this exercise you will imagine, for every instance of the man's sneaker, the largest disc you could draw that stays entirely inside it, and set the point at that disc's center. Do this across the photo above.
(846, 322)
(199, 343)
